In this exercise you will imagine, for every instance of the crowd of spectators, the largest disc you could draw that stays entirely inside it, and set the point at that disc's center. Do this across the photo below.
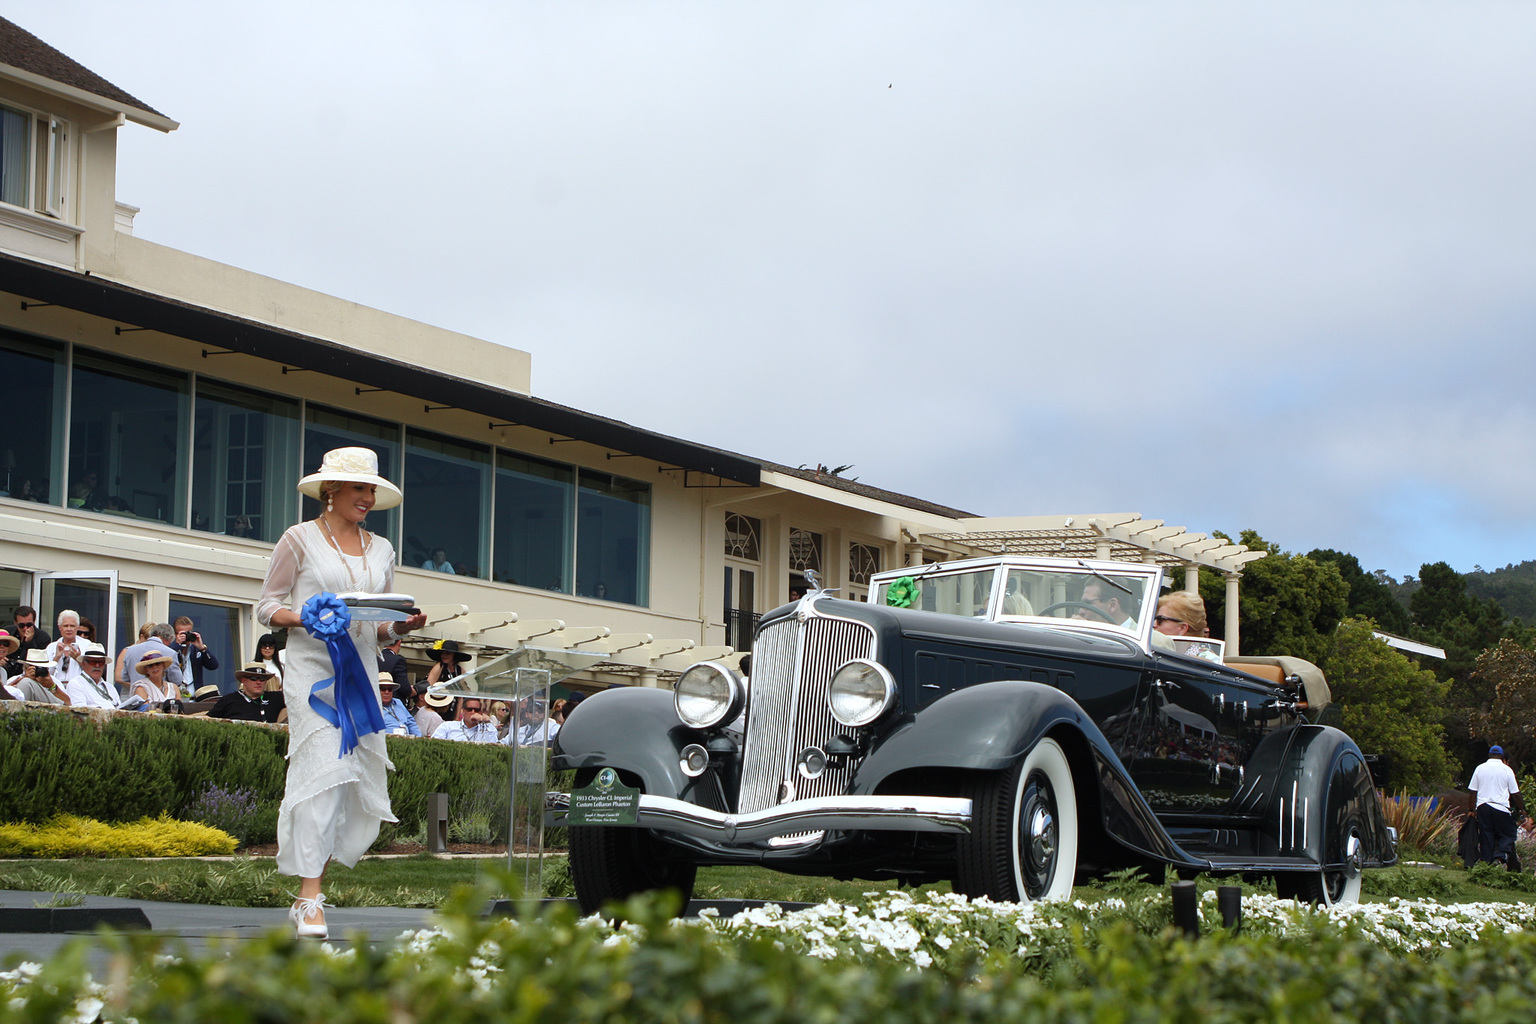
(169, 668)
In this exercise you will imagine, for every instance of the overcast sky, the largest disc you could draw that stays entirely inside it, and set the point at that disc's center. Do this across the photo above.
(1228, 265)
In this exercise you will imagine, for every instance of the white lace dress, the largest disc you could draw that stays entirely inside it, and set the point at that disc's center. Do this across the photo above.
(333, 805)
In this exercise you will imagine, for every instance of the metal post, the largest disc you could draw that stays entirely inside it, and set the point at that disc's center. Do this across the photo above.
(1229, 898)
(1186, 916)
(437, 822)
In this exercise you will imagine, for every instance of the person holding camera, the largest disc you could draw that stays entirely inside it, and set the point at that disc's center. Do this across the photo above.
(64, 652)
(192, 656)
(36, 681)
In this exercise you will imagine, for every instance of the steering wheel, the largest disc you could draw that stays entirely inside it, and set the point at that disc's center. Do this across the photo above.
(1084, 605)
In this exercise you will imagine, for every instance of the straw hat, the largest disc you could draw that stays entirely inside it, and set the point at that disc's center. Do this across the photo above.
(90, 649)
(437, 700)
(38, 658)
(353, 465)
(253, 670)
(10, 643)
(385, 679)
(149, 659)
(208, 691)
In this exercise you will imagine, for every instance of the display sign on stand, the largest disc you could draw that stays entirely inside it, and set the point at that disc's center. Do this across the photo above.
(523, 678)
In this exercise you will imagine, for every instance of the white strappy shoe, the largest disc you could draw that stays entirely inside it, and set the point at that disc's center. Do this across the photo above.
(303, 909)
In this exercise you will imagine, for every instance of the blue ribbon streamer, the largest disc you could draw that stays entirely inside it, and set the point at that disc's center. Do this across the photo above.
(357, 711)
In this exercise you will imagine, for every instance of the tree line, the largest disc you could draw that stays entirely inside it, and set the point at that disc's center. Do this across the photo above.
(1432, 720)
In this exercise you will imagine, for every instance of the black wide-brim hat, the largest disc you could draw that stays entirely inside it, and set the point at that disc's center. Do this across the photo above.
(452, 646)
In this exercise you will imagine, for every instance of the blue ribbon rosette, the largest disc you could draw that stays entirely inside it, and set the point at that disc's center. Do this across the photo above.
(357, 711)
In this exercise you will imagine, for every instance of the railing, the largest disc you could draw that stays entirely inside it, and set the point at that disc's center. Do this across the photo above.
(740, 626)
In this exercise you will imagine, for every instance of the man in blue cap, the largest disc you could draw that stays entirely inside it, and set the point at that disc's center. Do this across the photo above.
(1496, 794)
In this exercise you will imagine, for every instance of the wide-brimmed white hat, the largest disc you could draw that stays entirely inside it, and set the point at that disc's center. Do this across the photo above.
(38, 658)
(353, 465)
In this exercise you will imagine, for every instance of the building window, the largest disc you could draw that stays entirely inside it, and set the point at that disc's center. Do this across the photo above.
(743, 537)
(219, 626)
(34, 377)
(805, 551)
(127, 439)
(613, 538)
(863, 562)
(34, 161)
(535, 513)
(327, 429)
(245, 448)
(449, 486)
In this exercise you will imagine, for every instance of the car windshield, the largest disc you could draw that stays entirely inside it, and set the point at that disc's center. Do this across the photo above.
(1086, 596)
(959, 593)
(1076, 594)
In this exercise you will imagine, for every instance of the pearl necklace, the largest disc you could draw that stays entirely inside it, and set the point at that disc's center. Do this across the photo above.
(367, 542)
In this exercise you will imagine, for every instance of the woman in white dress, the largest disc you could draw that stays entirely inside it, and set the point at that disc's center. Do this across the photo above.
(333, 805)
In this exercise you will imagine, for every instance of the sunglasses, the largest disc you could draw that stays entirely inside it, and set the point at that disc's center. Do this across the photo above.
(1159, 620)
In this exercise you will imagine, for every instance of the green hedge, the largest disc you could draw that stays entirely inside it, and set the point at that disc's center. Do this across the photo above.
(552, 969)
(124, 767)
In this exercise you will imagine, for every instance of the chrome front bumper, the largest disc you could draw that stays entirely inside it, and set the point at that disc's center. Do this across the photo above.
(814, 814)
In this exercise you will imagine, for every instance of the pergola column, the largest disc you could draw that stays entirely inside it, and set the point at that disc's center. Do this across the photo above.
(1233, 610)
(1192, 578)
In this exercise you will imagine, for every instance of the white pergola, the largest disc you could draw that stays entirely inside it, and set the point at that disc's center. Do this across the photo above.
(1119, 536)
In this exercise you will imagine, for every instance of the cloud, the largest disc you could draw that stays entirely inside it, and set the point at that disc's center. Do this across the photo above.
(1226, 265)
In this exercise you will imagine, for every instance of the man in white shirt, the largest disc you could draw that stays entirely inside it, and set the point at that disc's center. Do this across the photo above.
(65, 651)
(1496, 793)
(90, 689)
(532, 731)
(472, 726)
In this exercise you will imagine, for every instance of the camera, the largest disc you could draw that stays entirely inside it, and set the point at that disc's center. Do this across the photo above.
(42, 673)
(192, 637)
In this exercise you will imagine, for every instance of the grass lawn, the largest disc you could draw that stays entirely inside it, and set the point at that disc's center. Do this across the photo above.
(425, 881)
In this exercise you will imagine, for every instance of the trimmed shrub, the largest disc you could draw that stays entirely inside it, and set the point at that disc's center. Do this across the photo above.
(71, 836)
(119, 768)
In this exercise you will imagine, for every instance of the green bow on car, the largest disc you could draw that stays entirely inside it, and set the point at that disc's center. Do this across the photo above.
(902, 593)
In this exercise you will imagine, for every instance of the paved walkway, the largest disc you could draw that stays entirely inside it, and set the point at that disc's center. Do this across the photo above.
(33, 926)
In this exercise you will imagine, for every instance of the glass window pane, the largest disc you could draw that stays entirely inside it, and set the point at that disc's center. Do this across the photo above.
(805, 550)
(534, 503)
(237, 435)
(15, 150)
(34, 377)
(219, 626)
(127, 439)
(327, 429)
(448, 491)
(743, 536)
(613, 539)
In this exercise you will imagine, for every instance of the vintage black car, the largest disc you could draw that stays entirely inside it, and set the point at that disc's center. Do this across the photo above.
(1009, 724)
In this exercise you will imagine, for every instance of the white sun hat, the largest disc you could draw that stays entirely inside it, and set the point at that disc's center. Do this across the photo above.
(353, 465)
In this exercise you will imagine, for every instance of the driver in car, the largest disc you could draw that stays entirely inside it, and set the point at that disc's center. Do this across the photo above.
(1113, 603)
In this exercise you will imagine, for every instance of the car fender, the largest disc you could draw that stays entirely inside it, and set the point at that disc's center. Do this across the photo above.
(1319, 789)
(633, 729)
(989, 726)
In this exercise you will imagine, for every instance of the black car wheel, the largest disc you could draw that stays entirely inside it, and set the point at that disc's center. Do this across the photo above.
(1336, 888)
(1023, 840)
(611, 863)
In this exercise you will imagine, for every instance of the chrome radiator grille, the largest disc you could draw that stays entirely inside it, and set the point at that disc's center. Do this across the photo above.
(792, 664)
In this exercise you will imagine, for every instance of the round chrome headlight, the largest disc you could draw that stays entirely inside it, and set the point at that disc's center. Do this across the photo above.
(860, 692)
(707, 695)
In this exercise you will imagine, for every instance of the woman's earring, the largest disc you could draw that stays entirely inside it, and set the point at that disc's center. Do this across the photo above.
(330, 504)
